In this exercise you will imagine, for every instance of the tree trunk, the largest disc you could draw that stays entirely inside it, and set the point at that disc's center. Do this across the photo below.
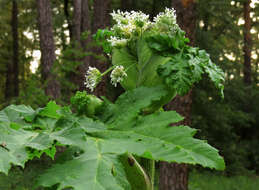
(175, 176)
(247, 43)
(85, 41)
(154, 8)
(126, 5)
(47, 48)
(8, 81)
(81, 23)
(77, 21)
(101, 14)
(101, 21)
(15, 48)
(66, 12)
(85, 21)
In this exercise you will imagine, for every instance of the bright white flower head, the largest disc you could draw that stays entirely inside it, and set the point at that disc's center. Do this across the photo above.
(168, 17)
(128, 22)
(92, 78)
(117, 75)
(117, 41)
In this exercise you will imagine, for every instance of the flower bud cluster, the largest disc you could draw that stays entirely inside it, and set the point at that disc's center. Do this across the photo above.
(166, 21)
(117, 42)
(92, 78)
(128, 22)
(117, 75)
(127, 25)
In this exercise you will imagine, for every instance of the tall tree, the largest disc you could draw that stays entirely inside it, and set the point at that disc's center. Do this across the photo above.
(47, 48)
(12, 71)
(126, 5)
(175, 176)
(66, 13)
(101, 21)
(86, 39)
(8, 80)
(81, 27)
(247, 42)
(15, 47)
(77, 4)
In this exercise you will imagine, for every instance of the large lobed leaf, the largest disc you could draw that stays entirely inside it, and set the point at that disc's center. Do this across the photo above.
(140, 68)
(13, 147)
(130, 104)
(17, 145)
(124, 128)
(151, 137)
(94, 169)
(184, 69)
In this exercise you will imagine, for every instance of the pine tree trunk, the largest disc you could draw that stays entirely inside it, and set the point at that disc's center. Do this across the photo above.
(47, 48)
(85, 21)
(247, 43)
(77, 4)
(175, 176)
(85, 43)
(154, 8)
(126, 5)
(81, 23)
(101, 14)
(101, 21)
(8, 81)
(66, 13)
(15, 48)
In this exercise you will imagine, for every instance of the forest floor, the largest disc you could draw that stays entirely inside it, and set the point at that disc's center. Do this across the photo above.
(212, 181)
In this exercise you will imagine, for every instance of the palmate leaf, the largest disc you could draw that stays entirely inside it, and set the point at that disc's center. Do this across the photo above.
(148, 136)
(17, 114)
(96, 164)
(129, 105)
(17, 146)
(151, 137)
(177, 74)
(201, 63)
(93, 170)
(13, 147)
(140, 68)
(184, 69)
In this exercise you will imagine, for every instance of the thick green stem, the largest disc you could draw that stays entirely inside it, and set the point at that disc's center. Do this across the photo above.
(149, 183)
(149, 166)
(152, 173)
(108, 70)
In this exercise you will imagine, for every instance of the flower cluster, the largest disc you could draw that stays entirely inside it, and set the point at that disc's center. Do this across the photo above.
(129, 22)
(117, 75)
(167, 19)
(118, 42)
(92, 78)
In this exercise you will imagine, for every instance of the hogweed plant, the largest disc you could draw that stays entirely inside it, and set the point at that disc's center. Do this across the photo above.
(103, 140)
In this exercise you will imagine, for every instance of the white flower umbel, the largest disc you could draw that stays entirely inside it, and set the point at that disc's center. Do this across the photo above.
(92, 78)
(117, 75)
(168, 17)
(117, 41)
(128, 22)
